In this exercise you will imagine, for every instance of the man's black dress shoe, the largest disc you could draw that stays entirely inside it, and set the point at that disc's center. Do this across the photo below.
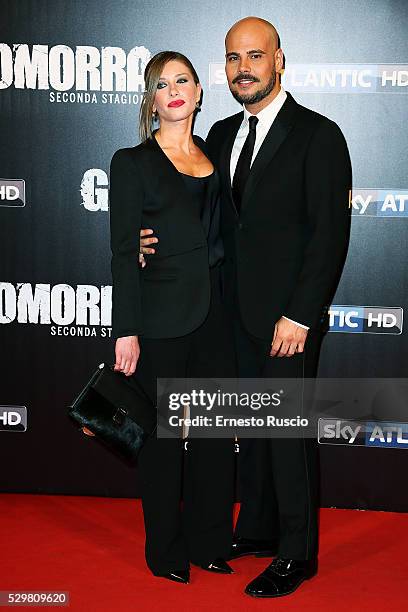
(218, 566)
(242, 547)
(182, 576)
(281, 577)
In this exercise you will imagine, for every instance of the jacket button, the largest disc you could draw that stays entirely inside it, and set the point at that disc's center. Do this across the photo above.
(240, 226)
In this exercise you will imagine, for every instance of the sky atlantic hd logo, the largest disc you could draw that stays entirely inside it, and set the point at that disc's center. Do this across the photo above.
(82, 311)
(380, 434)
(12, 193)
(85, 74)
(379, 203)
(332, 78)
(346, 78)
(366, 319)
(13, 418)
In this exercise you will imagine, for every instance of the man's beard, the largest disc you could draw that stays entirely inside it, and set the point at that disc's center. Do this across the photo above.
(258, 95)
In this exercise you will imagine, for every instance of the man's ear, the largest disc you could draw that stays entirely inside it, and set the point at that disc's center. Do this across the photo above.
(279, 60)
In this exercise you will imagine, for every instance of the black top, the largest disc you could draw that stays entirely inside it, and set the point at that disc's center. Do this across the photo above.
(146, 190)
(207, 200)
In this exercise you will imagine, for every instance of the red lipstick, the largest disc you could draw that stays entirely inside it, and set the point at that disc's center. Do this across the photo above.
(176, 103)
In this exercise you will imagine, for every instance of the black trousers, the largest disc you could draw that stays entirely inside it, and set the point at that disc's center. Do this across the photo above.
(199, 530)
(278, 477)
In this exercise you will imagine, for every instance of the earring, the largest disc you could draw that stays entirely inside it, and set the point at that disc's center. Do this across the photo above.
(198, 106)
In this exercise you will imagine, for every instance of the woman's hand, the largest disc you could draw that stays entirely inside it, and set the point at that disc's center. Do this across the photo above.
(127, 353)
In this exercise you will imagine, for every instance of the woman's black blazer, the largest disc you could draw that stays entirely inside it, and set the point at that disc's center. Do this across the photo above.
(170, 296)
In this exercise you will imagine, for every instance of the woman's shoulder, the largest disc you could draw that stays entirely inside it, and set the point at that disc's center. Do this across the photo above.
(131, 155)
(130, 152)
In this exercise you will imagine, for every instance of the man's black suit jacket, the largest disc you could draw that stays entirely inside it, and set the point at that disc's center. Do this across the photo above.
(169, 297)
(287, 248)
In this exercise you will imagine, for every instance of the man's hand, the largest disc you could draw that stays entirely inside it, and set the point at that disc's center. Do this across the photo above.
(127, 353)
(144, 242)
(288, 339)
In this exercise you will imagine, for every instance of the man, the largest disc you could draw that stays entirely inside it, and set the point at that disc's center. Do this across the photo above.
(285, 174)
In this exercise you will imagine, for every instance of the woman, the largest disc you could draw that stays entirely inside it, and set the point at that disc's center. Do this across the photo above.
(168, 318)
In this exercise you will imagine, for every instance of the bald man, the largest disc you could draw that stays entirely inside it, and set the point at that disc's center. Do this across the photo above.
(286, 175)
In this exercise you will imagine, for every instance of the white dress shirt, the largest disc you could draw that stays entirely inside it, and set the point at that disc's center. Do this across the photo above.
(265, 119)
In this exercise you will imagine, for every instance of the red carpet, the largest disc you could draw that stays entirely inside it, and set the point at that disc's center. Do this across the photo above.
(93, 548)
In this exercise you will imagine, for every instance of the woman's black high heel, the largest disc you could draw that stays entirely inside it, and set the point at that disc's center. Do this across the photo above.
(218, 566)
(182, 576)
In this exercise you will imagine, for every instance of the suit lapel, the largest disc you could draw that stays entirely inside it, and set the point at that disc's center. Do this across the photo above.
(277, 134)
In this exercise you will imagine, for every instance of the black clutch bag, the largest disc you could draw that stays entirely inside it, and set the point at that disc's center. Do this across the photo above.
(116, 410)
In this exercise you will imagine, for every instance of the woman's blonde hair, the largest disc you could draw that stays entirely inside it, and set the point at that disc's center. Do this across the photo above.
(152, 75)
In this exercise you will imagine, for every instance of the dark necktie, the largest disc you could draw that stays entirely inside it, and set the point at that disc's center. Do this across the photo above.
(244, 164)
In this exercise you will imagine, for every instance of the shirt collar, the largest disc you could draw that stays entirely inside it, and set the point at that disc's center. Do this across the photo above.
(267, 115)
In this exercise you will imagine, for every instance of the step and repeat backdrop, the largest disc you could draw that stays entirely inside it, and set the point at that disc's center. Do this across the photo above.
(71, 81)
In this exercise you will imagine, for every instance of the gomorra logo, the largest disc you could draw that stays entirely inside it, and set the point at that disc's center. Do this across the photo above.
(84, 310)
(74, 75)
(366, 319)
(379, 202)
(333, 78)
